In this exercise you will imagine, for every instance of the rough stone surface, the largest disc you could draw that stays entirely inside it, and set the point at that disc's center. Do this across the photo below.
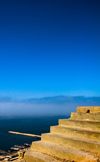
(91, 125)
(73, 142)
(85, 116)
(33, 156)
(89, 109)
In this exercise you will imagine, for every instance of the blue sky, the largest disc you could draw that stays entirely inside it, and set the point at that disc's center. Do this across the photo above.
(49, 48)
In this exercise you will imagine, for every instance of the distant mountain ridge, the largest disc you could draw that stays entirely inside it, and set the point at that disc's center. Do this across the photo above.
(55, 99)
(63, 99)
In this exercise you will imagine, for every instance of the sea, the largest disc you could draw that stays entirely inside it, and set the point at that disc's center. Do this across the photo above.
(32, 125)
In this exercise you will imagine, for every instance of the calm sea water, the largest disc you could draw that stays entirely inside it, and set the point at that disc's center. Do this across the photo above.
(32, 125)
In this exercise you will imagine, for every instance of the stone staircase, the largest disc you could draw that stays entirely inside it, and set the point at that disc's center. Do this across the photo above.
(76, 139)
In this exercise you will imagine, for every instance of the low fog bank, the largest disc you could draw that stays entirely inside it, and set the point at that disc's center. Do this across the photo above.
(45, 106)
(31, 109)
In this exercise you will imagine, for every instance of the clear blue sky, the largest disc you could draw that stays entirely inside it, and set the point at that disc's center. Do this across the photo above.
(49, 48)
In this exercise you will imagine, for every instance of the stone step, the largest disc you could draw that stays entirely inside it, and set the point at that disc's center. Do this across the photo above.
(89, 109)
(76, 132)
(85, 116)
(91, 125)
(32, 156)
(81, 144)
(62, 152)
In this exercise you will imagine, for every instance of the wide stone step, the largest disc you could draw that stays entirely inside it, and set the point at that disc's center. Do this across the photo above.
(76, 132)
(91, 125)
(62, 152)
(89, 109)
(32, 156)
(77, 143)
(85, 116)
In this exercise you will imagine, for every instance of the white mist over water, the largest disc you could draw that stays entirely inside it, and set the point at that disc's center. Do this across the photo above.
(45, 106)
(30, 109)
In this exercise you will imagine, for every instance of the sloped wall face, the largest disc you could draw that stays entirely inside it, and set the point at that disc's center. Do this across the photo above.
(89, 109)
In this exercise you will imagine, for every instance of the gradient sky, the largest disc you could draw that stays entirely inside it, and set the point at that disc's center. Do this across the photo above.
(49, 48)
